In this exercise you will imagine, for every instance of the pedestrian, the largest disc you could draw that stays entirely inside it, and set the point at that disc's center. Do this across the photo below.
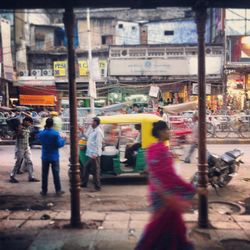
(94, 136)
(194, 139)
(51, 142)
(169, 196)
(22, 151)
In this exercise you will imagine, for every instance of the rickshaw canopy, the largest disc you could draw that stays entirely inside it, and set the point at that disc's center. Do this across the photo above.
(145, 120)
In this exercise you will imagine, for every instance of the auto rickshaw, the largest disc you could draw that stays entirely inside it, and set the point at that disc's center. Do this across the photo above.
(120, 131)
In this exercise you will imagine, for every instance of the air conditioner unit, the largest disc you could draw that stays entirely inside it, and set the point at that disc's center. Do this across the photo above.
(35, 72)
(23, 73)
(47, 72)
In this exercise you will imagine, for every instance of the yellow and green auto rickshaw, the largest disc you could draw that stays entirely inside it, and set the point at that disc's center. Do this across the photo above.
(126, 137)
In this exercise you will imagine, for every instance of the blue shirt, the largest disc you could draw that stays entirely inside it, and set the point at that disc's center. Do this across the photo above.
(51, 141)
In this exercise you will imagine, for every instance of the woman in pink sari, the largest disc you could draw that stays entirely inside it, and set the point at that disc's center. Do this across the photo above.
(169, 197)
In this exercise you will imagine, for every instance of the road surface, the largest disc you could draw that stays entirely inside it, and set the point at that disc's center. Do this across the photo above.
(125, 193)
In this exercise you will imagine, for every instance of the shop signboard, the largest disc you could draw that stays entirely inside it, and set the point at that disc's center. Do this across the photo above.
(41, 100)
(60, 68)
(83, 68)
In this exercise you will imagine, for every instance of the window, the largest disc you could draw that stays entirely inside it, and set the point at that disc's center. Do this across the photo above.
(107, 40)
(168, 33)
(40, 43)
(120, 26)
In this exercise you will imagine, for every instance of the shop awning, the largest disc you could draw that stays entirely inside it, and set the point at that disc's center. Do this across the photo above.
(182, 107)
(37, 100)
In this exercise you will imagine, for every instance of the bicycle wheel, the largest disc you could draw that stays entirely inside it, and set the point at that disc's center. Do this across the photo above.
(210, 129)
(222, 130)
(244, 130)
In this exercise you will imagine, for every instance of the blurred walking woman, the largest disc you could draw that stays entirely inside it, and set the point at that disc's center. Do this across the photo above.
(169, 196)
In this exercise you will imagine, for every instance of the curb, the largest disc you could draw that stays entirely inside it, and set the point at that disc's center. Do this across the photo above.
(9, 142)
(228, 141)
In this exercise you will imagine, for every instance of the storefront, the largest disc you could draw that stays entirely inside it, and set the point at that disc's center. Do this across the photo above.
(238, 91)
(38, 92)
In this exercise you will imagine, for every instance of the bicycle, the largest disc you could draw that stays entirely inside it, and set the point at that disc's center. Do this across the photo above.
(237, 126)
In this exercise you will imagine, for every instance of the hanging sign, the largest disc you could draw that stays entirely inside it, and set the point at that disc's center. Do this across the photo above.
(154, 91)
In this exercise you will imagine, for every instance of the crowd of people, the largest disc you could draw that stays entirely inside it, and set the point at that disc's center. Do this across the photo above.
(169, 194)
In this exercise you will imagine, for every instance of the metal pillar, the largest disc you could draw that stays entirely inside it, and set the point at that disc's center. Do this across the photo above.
(74, 172)
(200, 18)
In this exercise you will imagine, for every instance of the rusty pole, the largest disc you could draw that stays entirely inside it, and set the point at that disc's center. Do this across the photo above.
(74, 171)
(200, 18)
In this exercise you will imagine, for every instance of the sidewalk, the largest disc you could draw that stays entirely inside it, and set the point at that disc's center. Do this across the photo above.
(39, 230)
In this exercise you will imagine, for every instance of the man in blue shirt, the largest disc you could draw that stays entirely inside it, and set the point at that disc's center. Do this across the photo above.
(51, 142)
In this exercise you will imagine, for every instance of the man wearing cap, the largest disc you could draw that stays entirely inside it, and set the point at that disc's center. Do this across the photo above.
(94, 136)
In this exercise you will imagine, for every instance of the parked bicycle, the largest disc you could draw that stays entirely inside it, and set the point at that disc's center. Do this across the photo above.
(227, 125)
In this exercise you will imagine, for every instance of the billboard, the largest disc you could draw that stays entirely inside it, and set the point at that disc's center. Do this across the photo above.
(183, 66)
(98, 68)
(239, 48)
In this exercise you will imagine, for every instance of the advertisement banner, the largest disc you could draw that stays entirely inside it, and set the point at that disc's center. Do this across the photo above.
(41, 100)
(92, 89)
(83, 68)
(60, 68)
(6, 50)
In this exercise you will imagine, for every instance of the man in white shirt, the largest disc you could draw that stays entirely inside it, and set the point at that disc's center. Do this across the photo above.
(195, 135)
(94, 136)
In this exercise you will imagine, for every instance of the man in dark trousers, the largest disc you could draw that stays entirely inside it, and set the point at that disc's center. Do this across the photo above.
(22, 151)
(51, 142)
(94, 136)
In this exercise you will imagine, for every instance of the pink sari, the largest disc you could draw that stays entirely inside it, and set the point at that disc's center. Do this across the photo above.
(166, 229)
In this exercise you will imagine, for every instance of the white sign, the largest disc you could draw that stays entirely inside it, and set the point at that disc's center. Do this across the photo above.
(195, 89)
(154, 91)
(147, 67)
(214, 65)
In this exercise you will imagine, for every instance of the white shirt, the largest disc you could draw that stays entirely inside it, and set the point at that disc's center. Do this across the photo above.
(94, 138)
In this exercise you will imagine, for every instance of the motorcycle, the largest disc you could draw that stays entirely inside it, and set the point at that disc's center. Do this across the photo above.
(221, 169)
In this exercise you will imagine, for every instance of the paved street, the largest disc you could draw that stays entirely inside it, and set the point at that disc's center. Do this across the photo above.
(114, 218)
(125, 193)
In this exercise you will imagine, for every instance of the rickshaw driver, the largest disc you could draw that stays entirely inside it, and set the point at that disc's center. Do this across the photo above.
(131, 150)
